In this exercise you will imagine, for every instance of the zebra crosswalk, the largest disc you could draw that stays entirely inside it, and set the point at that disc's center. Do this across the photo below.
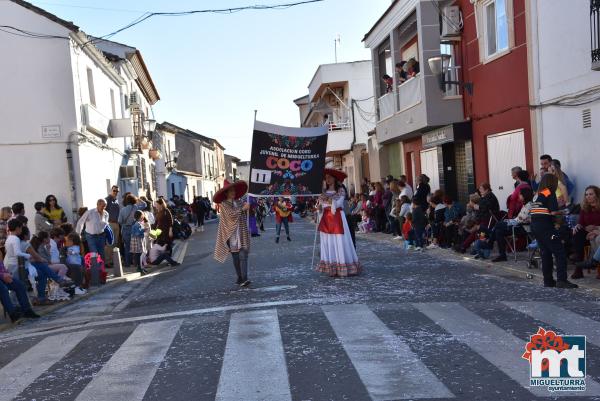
(255, 361)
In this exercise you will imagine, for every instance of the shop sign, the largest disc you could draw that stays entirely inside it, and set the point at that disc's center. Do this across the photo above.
(438, 137)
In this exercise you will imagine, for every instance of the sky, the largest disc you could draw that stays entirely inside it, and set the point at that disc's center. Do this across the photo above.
(213, 70)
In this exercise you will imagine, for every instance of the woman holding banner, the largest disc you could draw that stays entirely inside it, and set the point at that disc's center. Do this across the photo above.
(338, 256)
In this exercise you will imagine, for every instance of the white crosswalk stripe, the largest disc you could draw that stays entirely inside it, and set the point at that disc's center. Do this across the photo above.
(254, 363)
(254, 366)
(129, 372)
(23, 370)
(565, 320)
(499, 347)
(386, 365)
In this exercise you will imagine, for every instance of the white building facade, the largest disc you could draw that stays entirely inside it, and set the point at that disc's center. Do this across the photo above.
(565, 86)
(340, 96)
(68, 128)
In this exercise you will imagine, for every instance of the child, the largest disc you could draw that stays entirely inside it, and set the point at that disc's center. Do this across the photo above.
(45, 249)
(396, 228)
(365, 225)
(73, 249)
(419, 222)
(409, 241)
(57, 242)
(137, 245)
(482, 246)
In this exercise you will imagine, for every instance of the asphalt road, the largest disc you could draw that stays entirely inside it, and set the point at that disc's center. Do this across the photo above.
(410, 327)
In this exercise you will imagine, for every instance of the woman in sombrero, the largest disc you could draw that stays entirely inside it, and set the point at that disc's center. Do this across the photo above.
(338, 256)
(232, 234)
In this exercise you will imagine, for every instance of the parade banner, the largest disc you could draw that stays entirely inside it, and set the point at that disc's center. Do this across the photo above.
(287, 161)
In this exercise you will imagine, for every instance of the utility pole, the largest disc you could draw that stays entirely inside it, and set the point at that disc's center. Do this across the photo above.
(336, 41)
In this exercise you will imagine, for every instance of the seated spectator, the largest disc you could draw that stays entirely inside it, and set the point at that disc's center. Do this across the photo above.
(54, 213)
(365, 225)
(437, 219)
(419, 222)
(469, 224)
(389, 83)
(46, 247)
(453, 213)
(40, 221)
(514, 174)
(482, 247)
(592, 263)
(588, 228)
(43, 270)
(10, 283)
(159, 253)
(488, 207)
(504, 227)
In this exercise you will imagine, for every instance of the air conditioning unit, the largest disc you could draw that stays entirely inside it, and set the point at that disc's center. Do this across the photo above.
(451, 22)
(128, 172)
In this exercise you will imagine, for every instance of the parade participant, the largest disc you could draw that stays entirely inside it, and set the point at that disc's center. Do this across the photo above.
(261, 213)
(232, 234)
(253, 216)
(283, 214)
(338, 256)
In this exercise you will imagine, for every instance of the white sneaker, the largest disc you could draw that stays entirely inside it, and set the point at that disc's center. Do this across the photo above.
(80, 291)
(432, 246)
(419, 249)
(397, 237)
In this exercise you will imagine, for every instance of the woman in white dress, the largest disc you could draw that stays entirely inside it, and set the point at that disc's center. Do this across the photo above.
(338, 256)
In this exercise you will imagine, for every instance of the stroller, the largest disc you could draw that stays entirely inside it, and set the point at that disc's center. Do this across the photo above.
(534, 255)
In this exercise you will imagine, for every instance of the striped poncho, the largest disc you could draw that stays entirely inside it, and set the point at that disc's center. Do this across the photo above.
(231, 217)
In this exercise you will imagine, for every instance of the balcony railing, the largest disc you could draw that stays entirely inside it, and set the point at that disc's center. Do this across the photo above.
(409, 93)
(387, 105)
(339, 126)
(452, 74)
(595, 33)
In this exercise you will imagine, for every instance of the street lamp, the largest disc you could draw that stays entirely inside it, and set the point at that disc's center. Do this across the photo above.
(173, 161)
(149, 125)
(439, 65)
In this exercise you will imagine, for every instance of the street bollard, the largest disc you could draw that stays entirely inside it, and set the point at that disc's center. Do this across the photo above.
(94, 270)
(117, 265)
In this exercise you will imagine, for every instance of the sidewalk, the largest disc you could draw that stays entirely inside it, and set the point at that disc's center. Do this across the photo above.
(129, 274)
(518, 268)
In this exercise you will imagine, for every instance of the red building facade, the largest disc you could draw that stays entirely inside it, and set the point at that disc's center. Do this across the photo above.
(493, 53)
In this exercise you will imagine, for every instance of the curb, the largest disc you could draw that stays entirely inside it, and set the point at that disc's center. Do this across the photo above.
(485, 265)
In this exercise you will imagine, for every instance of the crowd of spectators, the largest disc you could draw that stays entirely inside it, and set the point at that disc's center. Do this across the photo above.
(541, 213)
(405, 70)
(50, 260)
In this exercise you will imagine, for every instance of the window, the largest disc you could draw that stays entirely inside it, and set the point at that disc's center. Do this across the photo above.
(495, 27)
(126, 101)
(112, 104)
(90, 78)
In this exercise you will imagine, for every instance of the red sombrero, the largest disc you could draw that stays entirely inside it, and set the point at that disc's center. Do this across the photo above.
(337, 174)
(241, 187)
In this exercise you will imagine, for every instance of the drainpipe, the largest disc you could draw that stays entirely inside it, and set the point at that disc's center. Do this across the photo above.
(352, 102)
(71, 171)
